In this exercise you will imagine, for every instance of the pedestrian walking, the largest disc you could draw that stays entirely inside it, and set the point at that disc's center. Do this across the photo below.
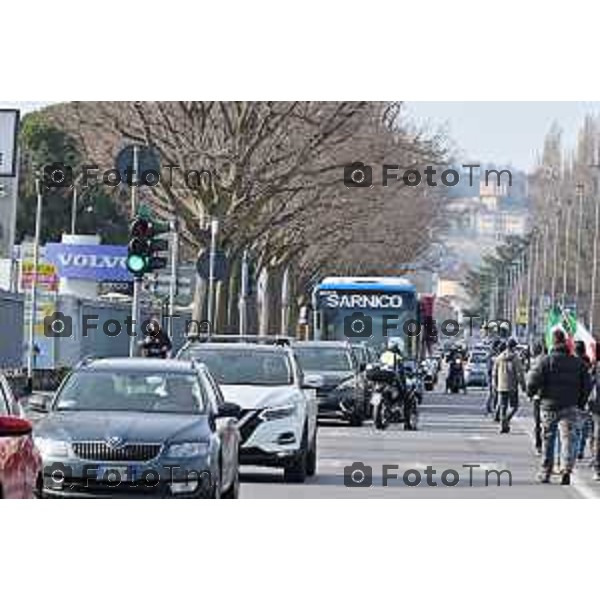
(508, 377)
(594, 406)
(538, 354)
(492, 401)
(583, 424)
(562, 381)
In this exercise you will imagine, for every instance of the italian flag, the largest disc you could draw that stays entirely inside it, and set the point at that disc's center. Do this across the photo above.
(574, 330)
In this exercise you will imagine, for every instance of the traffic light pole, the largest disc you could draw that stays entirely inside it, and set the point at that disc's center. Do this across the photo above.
(214, 229)
(173, 279)
(137, 281)
(34, 280)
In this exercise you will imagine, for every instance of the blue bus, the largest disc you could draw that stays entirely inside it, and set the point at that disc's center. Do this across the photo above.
(367, 309)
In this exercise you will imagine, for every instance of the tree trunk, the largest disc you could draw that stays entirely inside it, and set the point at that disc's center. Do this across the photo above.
(262, 300)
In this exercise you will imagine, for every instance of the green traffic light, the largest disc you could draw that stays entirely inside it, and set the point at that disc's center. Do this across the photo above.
(136, 264)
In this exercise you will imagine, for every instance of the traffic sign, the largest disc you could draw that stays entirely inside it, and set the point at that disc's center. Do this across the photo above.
(148, 160)
(220, 266)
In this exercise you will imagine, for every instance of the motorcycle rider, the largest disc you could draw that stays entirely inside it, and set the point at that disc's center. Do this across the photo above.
(157, 343)
(393, 359)
(456, 369)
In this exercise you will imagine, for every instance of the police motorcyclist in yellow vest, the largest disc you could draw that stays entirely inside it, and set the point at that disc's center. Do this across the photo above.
(392, 358)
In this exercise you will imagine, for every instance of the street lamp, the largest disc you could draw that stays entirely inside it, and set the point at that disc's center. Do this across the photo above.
(566, 257)
(34, 276)
(531, 280)
(555, 258)
(579, 193)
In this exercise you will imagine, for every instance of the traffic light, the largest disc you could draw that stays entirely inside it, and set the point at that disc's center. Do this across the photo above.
(144, 246)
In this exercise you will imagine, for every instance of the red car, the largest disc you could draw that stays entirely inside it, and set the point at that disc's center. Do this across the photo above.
(20, 462)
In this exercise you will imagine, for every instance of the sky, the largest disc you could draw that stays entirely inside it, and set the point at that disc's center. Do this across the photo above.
(506, 133)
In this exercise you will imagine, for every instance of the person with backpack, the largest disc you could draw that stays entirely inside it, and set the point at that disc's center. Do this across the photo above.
(508, 376)
(562, 382)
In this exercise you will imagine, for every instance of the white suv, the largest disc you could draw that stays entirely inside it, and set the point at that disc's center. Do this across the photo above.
(278, 424)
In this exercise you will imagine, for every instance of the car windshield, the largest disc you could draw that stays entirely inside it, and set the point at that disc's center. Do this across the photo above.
(242, 366)
(478, 358)
(320, 358)
(132, 391)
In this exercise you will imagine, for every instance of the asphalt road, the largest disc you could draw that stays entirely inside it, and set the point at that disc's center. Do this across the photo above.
(453, 431)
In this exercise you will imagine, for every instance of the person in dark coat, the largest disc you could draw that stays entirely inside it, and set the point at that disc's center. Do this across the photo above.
(562, 382)
(584, 421)
(594, 406)
(157, 343)
(538, 355)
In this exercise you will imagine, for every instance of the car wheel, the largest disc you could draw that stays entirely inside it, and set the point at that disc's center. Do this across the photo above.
(233, 493)
(214, 493)
(296, 470)
(356, 421)
(410, 419)
(311, 459)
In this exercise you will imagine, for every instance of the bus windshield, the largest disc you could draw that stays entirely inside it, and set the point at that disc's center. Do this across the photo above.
(371, 315)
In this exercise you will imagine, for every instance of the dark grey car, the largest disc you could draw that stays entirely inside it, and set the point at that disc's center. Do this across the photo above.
(343, 394)
(138, 428)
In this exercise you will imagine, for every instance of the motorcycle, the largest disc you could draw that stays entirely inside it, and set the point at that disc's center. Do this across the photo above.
(390, 403)
(456, 378)
(427, 376)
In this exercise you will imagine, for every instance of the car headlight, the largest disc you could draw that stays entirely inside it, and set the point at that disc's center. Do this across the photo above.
(54, 448)
(187, 450)
(279, 412)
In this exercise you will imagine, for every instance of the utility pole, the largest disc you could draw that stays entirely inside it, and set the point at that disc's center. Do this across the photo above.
(74, 210)
(566, 257)
(555, 260)
(579, 192)
(137, 281)
(34, 278)
(214, 230)
(174, 254)
(530, 270)
(243, 302)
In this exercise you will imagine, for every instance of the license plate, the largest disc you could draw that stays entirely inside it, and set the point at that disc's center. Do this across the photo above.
(114, 474)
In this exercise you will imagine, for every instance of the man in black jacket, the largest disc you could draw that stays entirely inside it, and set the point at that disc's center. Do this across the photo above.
(562, 383)
(594, 406)
(157, 343)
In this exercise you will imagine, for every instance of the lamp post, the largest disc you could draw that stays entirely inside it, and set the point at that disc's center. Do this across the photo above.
(566, 257)
(531, 273)
(34, 278)
(555, 259)
(579, 193)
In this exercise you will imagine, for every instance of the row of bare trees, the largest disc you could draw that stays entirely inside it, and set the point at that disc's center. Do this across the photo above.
(565, 222)
(276, 185)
